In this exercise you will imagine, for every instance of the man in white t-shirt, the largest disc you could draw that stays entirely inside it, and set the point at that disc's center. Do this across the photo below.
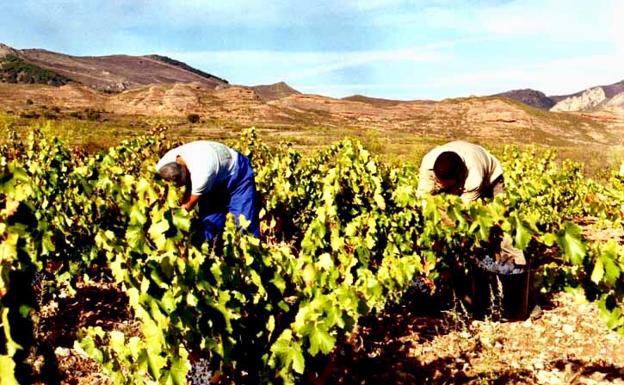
(215, 177)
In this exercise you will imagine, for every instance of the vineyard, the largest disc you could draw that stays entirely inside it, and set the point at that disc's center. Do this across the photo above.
(344, 236)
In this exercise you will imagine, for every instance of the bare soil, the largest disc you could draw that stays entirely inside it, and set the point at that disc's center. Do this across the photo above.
(564, 341)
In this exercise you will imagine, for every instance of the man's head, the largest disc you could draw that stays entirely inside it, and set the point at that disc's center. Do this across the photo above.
(174, 172)
(449, 170)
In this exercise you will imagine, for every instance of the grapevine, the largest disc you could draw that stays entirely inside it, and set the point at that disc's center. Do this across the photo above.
(344, 235)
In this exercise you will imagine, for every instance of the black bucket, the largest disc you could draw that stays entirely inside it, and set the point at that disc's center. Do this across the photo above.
(507, 295)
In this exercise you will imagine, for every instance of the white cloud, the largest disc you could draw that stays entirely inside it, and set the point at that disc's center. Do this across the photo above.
(554, 20)
(290, 66)
(553, 77)
(342, 60)
(476, 47)
(617, 26)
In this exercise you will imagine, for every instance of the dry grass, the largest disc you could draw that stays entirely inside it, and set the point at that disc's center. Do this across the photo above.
(397, 145)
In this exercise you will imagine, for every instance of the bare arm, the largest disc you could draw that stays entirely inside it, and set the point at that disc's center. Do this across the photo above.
(190, 200)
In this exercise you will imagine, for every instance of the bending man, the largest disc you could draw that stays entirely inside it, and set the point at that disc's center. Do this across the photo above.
(215, 177)
(470, 171)
(463, 169)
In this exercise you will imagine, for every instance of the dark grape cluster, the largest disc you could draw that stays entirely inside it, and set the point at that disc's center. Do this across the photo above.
(505, 268)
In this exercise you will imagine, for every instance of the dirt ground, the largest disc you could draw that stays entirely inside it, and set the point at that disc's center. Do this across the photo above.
(563, 342)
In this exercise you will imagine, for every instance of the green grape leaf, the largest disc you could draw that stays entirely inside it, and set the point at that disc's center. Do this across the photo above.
(609, 258)
(298, 360)
(549, 239)
(181, 220)
(117, 340)
(179, 369)
(325, 261)
(598, 271)
(7, 371)
(157, 233)
(522, 236)
(11, 345)
(569, 239)
(156, 363)
(320, 340)
(288, 352)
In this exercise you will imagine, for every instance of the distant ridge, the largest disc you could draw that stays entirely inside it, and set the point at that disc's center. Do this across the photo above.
(268, 92)
(610, 91)
(378, 102)
(591, 98)
(114, 73)
(588, 99)
(177, 63)
(530, 97)
(157, 85)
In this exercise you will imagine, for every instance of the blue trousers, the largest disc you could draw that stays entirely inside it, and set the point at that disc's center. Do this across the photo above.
(236, 195)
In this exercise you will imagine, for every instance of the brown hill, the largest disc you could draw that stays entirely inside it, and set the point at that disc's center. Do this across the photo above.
(13, 69)
(6, 50)
(113, 73)
(530, 97)
(23, 97)
(186, 67)
(476, 117)
(374, 101)
(275, 91)
(492, 118)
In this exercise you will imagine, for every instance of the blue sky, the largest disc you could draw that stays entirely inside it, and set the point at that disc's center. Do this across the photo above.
(429, 49)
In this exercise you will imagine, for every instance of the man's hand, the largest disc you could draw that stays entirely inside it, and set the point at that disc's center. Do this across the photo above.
(191, 202)
(185, 197)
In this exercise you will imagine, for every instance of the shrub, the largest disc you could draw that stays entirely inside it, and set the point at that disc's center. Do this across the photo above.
(92, 114)
(193, 118)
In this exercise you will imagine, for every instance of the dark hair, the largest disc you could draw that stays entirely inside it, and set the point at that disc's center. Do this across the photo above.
(174, 172)
(449, 165)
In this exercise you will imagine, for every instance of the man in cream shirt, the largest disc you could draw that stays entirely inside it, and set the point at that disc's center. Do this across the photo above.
(215, 177)
(470, 171)
(463, 169)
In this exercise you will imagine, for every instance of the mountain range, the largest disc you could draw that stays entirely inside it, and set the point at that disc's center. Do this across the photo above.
(589, 99)
(32, 80)
(113, 73)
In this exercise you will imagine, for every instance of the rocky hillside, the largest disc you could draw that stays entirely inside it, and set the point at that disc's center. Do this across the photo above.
(610, 91)
(372, 101)
(489, 118)
(6, 50)
(159, 86)
(186, 67)
(530, 97)
(13, 69)
(589, 99)
(113, 73)
(274, 91)
(616, 101)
